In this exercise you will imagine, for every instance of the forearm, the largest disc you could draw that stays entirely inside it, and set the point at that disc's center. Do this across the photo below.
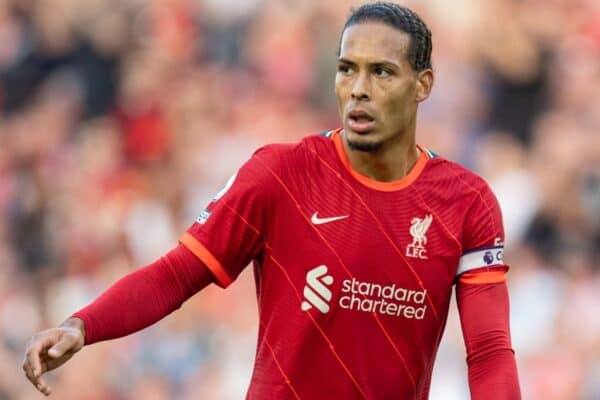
(145, 296)
(484, 311)
(494, 376)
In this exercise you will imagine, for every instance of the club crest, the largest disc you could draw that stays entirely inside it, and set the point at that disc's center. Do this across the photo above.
(418, 230)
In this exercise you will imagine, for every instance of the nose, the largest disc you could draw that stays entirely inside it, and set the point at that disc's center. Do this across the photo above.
(361, 90)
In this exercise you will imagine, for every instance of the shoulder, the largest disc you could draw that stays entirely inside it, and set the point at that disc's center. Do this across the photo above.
(280, 154)
(457, 178)
(469, 197)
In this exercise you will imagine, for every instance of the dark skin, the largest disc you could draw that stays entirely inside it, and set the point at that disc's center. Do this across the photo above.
(50, 349)
(375, 75)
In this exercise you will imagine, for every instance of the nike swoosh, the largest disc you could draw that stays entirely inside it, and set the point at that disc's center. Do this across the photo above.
(319, 221)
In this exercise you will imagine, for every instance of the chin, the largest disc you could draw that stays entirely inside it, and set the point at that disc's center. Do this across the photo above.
(362, 142)
(367, 146)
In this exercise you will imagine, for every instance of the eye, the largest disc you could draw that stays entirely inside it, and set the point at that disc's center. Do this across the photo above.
(381, 72)
(345, 69)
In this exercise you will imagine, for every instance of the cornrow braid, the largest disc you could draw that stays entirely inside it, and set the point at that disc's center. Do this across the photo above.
(403, 19)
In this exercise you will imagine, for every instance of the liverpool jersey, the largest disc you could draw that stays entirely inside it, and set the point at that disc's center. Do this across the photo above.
(353, 276)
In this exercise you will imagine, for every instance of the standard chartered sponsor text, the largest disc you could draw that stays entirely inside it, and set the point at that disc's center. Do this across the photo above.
(383, 299)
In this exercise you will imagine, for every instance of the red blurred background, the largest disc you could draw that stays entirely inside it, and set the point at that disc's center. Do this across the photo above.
(119, 119)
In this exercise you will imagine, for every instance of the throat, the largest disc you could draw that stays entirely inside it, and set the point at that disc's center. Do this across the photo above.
(383, 166)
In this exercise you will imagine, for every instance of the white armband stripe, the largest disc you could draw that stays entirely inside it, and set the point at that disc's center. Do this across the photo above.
(485, 257)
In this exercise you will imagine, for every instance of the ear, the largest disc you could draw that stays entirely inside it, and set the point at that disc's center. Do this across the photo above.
(424, 85)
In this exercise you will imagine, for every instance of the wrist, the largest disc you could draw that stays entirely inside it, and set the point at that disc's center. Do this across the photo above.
(75, 323)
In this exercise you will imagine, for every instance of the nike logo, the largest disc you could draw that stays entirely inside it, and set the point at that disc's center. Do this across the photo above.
(320, 221)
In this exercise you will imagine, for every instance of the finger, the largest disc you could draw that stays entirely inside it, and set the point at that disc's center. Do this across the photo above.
(32, 359)
(32, 364)
(36, 381)
(53, 363)
(48, 363)
(43, 387)
(66, 343)
(28, 371)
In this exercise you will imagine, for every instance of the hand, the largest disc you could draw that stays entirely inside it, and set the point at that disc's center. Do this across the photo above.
(50, 349)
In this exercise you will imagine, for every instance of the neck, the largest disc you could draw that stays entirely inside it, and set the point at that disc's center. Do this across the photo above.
(391, 162)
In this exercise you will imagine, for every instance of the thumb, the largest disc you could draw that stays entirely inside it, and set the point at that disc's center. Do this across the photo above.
(65, 344)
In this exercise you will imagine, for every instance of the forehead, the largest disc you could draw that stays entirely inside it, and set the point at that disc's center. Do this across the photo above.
(374, 41)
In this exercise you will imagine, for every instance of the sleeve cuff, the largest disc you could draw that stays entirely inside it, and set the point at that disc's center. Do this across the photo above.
(483, 277)
(199, 250)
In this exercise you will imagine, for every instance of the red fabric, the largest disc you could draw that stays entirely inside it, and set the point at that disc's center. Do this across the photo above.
(144, 296)
(329, 326)
(484, 313)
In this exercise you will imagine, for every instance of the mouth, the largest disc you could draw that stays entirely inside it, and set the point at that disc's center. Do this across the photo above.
(360, 121)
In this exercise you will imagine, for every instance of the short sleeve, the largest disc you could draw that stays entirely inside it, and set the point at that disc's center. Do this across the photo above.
(483, 234)
(230, 231)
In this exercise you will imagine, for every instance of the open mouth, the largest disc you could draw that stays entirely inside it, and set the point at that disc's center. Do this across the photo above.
(360, 121)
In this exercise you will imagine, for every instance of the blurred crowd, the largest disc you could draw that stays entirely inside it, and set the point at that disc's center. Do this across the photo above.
(119, 119)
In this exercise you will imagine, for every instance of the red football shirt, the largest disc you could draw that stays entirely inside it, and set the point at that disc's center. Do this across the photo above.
(353, 276)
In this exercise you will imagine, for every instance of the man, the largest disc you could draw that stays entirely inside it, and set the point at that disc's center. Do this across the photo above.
(357, 236)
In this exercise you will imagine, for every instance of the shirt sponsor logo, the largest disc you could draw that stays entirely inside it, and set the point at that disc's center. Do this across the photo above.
(316, 293)
(320, 221)
(418, 230)
(361, 296)
(383, 299)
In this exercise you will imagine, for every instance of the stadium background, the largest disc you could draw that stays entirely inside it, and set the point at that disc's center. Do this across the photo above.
(120, 118)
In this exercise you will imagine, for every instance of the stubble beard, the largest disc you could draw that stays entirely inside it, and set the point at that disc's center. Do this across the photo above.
(366, 147)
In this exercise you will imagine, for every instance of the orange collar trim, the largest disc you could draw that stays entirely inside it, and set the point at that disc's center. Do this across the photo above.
(372, 183)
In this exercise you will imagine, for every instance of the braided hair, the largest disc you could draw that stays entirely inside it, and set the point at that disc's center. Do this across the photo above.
(403, 19)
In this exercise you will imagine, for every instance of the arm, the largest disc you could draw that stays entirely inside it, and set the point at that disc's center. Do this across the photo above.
(142, 298)
(482, 298)
(216, 248)
(483, 305)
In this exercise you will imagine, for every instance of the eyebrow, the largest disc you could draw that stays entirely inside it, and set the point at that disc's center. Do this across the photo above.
(376, 62)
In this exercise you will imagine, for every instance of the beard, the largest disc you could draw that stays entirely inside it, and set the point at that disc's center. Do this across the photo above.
(367, 147)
